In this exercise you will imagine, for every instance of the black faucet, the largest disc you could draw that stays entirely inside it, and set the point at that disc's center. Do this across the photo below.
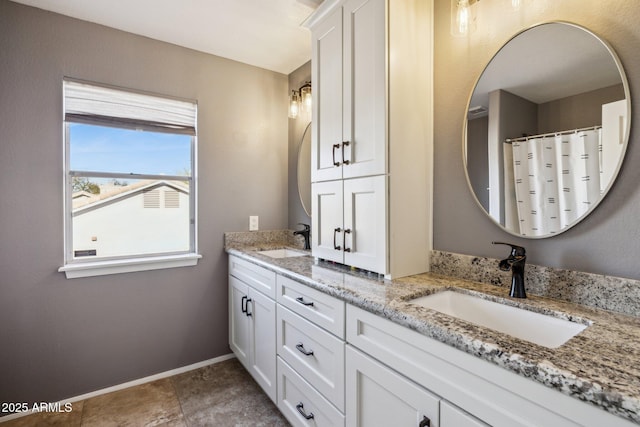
(515, 263)
(304, 233)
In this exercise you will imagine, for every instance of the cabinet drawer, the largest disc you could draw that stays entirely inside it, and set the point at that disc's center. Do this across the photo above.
(451, 415)
(314, 353)
(253, 275)
(315, 306)
(297, 397)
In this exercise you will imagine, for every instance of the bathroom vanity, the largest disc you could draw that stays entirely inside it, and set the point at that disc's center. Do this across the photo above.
(353, 349)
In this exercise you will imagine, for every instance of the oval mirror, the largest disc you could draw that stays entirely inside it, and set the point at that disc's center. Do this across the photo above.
(546, 129)
(304, 170)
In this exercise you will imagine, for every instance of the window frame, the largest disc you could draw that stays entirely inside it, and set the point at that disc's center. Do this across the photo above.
(74, 267)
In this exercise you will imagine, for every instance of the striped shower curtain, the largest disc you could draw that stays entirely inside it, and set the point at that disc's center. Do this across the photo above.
(557, 180)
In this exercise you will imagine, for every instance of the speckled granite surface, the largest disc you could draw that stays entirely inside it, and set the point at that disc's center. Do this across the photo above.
(593, 290)
(601, 365)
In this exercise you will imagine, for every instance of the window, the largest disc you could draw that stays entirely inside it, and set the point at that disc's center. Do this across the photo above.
(129, 181)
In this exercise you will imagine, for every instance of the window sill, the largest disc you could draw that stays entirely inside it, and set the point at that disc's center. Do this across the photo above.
(101, 268)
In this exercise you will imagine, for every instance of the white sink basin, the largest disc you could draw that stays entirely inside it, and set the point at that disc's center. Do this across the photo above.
(537, 328)
(282, 253)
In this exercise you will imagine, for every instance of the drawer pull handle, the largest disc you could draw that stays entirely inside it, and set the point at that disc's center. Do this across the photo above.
(344, 144)
(243, 304)
(335, 231)
(301, 349)
(426, 422)
(333, 154)
(303, 302)
(300, 408)
(344, 239)
(247, 310)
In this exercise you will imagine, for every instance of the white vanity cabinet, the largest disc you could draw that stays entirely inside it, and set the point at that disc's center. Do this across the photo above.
(310, 347)
(487, 394)
(252, 321)
(372, 114)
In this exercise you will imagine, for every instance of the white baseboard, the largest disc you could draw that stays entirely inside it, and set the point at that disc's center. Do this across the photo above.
(128, 384)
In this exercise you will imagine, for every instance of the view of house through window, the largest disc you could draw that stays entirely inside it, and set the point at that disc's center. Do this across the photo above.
(129, 184)
(120, 216)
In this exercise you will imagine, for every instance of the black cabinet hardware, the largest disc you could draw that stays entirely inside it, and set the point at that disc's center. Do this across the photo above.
(243, 305)
(301, 349)
(344, 239)
(426, 422)
(303, 302)
(300, 408)
(333, 154)
(336, 231)
(344, 144)
(247, 310)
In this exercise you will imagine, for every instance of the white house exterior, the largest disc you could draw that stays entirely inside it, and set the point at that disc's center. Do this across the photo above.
(147, 217)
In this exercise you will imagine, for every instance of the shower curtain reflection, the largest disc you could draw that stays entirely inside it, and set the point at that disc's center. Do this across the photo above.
(553, 180)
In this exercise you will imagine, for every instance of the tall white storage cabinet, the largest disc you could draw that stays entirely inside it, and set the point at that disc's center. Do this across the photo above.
(372, 115)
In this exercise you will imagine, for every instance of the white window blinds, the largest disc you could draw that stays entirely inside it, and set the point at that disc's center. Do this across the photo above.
(88, 103)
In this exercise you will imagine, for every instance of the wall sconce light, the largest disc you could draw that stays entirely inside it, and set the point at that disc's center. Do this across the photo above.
(300, 101)
(463, 17)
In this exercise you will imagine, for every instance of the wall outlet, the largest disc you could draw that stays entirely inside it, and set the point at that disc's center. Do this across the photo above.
(253, 223)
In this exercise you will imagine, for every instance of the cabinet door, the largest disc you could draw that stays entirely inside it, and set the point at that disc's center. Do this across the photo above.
(262, 312)
(378, 396)
(326, 220)
(364, 93)
(327, 99)
(365, 224)
(238, 321)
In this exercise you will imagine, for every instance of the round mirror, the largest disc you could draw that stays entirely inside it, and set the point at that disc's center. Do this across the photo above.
(546, 129)
(304, 169)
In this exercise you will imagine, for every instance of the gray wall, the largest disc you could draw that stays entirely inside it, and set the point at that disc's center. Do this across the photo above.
(608, 240)
(578, 111)
(478, 158)
(59, 337)
(297, 126)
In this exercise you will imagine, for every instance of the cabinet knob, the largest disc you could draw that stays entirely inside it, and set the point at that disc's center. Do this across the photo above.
(336, 231)
(333, 154)
(300, 408)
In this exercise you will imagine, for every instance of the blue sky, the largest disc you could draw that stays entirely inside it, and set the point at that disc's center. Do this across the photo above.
(107, 149)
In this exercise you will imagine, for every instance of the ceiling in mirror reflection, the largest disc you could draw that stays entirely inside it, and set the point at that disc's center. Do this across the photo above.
(548, 62)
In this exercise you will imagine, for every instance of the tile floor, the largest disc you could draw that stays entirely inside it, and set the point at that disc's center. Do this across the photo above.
(217, 395)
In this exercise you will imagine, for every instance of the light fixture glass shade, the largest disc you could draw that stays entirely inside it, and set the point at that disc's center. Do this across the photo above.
(463, 17)
(305, 98)
(294, 104)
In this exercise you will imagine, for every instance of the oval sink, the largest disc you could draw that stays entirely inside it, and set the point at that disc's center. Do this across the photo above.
(282, 253)
(541, 329)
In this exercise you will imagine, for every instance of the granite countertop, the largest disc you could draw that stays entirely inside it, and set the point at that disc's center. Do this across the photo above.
(600, 365)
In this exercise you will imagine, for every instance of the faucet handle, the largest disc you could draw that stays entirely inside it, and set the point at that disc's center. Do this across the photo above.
(307, 227)
(516, 251)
